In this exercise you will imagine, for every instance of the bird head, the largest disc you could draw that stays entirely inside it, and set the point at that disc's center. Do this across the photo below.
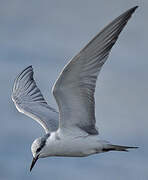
(37, 149)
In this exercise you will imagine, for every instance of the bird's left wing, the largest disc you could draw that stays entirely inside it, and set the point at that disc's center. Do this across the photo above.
(75, 87)
(28, 100)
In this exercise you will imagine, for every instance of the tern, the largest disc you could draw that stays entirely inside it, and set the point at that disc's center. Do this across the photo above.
(72, 131)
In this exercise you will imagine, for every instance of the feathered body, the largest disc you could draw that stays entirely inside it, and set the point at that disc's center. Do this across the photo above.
(72, 131)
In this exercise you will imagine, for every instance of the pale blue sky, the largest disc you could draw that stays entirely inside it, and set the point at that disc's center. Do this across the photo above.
(46, 34)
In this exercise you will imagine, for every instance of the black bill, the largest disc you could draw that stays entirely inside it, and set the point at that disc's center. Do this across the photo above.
(33, 162)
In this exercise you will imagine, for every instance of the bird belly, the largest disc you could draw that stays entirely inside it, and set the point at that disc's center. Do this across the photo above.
(76, 146)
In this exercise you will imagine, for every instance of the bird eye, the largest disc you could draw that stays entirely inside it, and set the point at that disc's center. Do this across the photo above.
(38, 149)
(42, 144)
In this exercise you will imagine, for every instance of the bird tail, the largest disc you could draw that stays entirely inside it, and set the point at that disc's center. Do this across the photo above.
(110, 147)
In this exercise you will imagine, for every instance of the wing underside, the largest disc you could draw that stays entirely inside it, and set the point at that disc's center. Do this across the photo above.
(28, 100)
(75, 87)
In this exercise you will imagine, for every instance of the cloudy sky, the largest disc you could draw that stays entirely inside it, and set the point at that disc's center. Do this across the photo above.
(46, 34)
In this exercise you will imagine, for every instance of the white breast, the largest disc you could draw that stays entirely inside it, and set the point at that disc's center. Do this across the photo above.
(73, 146)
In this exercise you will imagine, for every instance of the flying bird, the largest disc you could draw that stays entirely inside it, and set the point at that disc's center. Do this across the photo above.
(72, 131)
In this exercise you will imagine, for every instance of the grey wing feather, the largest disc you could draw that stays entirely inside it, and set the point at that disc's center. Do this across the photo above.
(28, 100)
(75, 87)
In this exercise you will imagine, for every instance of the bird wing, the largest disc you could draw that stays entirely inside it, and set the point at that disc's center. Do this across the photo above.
(28, 100)
(75, 87)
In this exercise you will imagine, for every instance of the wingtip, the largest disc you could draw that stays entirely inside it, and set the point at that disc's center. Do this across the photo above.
(132, 10)
(26, 69)
(135, 7)
(21, 75)
(29, 67)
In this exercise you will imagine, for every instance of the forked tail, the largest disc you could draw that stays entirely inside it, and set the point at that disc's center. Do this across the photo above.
(110, 147)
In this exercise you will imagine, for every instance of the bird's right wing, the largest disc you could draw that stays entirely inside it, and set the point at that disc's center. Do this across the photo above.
(28, 100)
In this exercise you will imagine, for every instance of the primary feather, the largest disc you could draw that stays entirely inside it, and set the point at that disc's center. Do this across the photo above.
(29, 100)
(75, 87)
